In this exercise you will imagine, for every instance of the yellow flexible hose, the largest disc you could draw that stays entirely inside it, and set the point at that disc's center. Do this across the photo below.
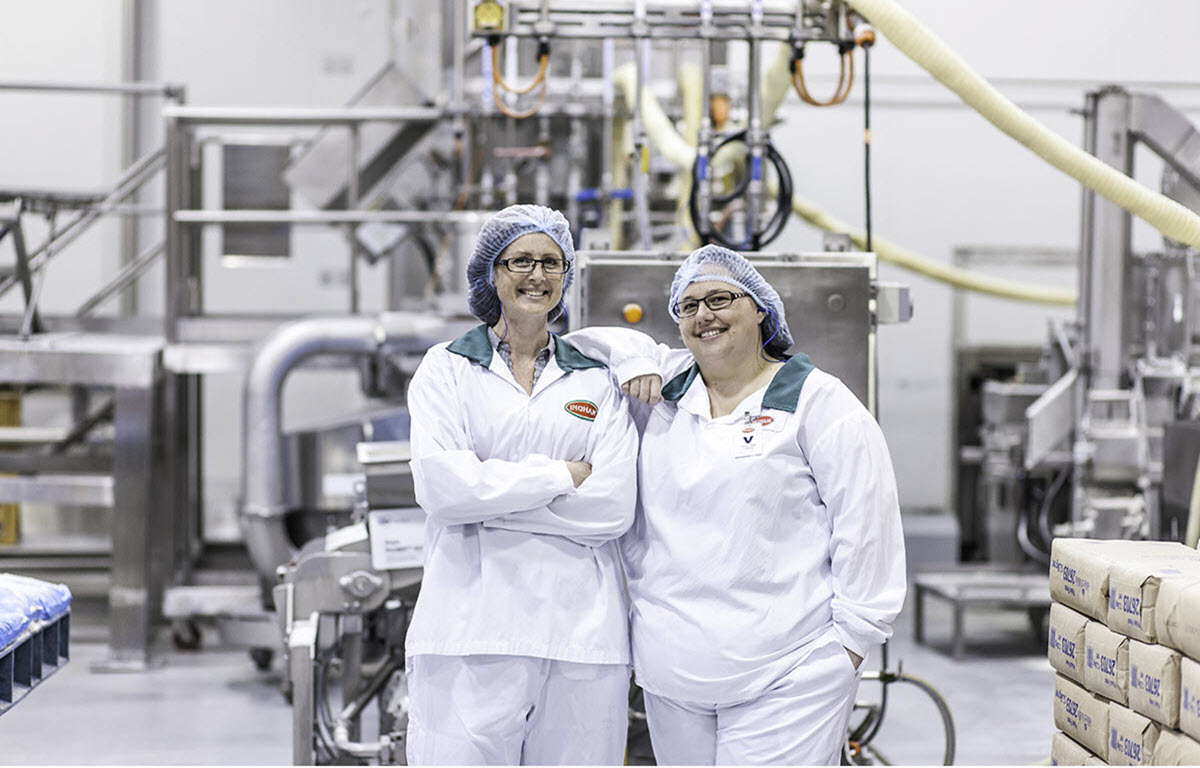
(945, 273)
(928, 51)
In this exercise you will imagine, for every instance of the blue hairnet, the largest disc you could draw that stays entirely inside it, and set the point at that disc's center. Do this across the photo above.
(712, 262)
(497, 234)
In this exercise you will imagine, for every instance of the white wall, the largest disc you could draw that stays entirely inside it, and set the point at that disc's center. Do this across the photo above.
(942, 177)
(65, 142)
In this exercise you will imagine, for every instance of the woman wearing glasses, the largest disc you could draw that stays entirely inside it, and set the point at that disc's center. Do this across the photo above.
(767, 557)
(523, 458)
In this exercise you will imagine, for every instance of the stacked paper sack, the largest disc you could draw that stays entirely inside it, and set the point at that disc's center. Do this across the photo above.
(1124, 642)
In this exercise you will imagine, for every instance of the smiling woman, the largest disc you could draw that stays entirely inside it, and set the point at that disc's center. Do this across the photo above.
(767, 558)
(524, 458)
(530, 281)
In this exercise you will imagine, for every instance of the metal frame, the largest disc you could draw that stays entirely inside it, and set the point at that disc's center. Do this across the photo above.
(134, 480)
(143, 547)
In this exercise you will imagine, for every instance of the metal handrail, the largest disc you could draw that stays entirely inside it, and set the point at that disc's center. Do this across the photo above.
(287, 116)
(172, 91)
(130, 272)
(266, 216)
(133, 178)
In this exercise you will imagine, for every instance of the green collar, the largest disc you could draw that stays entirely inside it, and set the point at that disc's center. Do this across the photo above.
(474, 345)
(783, 393)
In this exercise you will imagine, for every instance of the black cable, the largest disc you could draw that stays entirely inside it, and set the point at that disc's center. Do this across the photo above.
(867, 136)
(783, 199)
(1044, 525)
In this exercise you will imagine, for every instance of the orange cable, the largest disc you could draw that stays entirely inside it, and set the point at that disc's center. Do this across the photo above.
(509, 112)
(543, 64)
(845, 81)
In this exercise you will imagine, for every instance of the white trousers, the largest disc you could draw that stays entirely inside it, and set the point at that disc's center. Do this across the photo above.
(515, 710)
(801, 720)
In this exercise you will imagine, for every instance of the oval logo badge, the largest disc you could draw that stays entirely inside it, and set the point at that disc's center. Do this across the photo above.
(584, 409)
(764, 420)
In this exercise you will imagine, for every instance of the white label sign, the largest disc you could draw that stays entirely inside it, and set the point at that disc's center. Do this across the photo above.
(397, 538)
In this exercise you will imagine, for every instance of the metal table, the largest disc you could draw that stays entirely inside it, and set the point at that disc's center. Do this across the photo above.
(139, 488)
(978, 588)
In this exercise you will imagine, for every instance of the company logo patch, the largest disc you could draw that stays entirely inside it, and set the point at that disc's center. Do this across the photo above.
(764, 420)
(584, 409)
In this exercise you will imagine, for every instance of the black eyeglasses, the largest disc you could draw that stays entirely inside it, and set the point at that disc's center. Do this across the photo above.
(714, 301)
(523, 265)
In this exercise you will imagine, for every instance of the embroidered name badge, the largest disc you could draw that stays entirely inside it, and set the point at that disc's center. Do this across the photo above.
(583, 409)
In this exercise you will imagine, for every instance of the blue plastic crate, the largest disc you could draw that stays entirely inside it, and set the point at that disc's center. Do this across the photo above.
(35, 635)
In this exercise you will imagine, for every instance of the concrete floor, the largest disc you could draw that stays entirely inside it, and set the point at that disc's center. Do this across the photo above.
(213, 707)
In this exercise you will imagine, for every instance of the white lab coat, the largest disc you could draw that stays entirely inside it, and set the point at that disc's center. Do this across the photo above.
(518, 561)
(747, 558)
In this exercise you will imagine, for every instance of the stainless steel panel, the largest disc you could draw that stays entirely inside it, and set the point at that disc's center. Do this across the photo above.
(302, 651)
(1051, 419)
(1005, 402)
(81, 359)
(207, 358)
(142, 556)
(317, 459)
(76, 490)
(213, 600)
(826, 300)
(319, 586)
(1109, 320)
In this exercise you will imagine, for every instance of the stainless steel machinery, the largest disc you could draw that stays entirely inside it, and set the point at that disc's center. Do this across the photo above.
(1078, 444)
(495, 103)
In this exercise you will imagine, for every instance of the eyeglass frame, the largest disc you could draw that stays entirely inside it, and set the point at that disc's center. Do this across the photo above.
(734, 296)
(506, 264)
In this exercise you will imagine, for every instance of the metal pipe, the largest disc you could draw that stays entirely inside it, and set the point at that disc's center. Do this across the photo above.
(352, 195)
(341, 730)
(458, 43)
(287, 116)
(541, 174)
(350, 626)
(755, 137)
(341, 739)
(641, 143)
(487, 127)
(576, 147)
(262, 492)
(30, 322)
(641, 146)
(704, 138)
(167, 90)
(175, 146)
(269, 216)
(608, 115)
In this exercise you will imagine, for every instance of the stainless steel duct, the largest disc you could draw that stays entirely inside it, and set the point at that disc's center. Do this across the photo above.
(262, 492)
